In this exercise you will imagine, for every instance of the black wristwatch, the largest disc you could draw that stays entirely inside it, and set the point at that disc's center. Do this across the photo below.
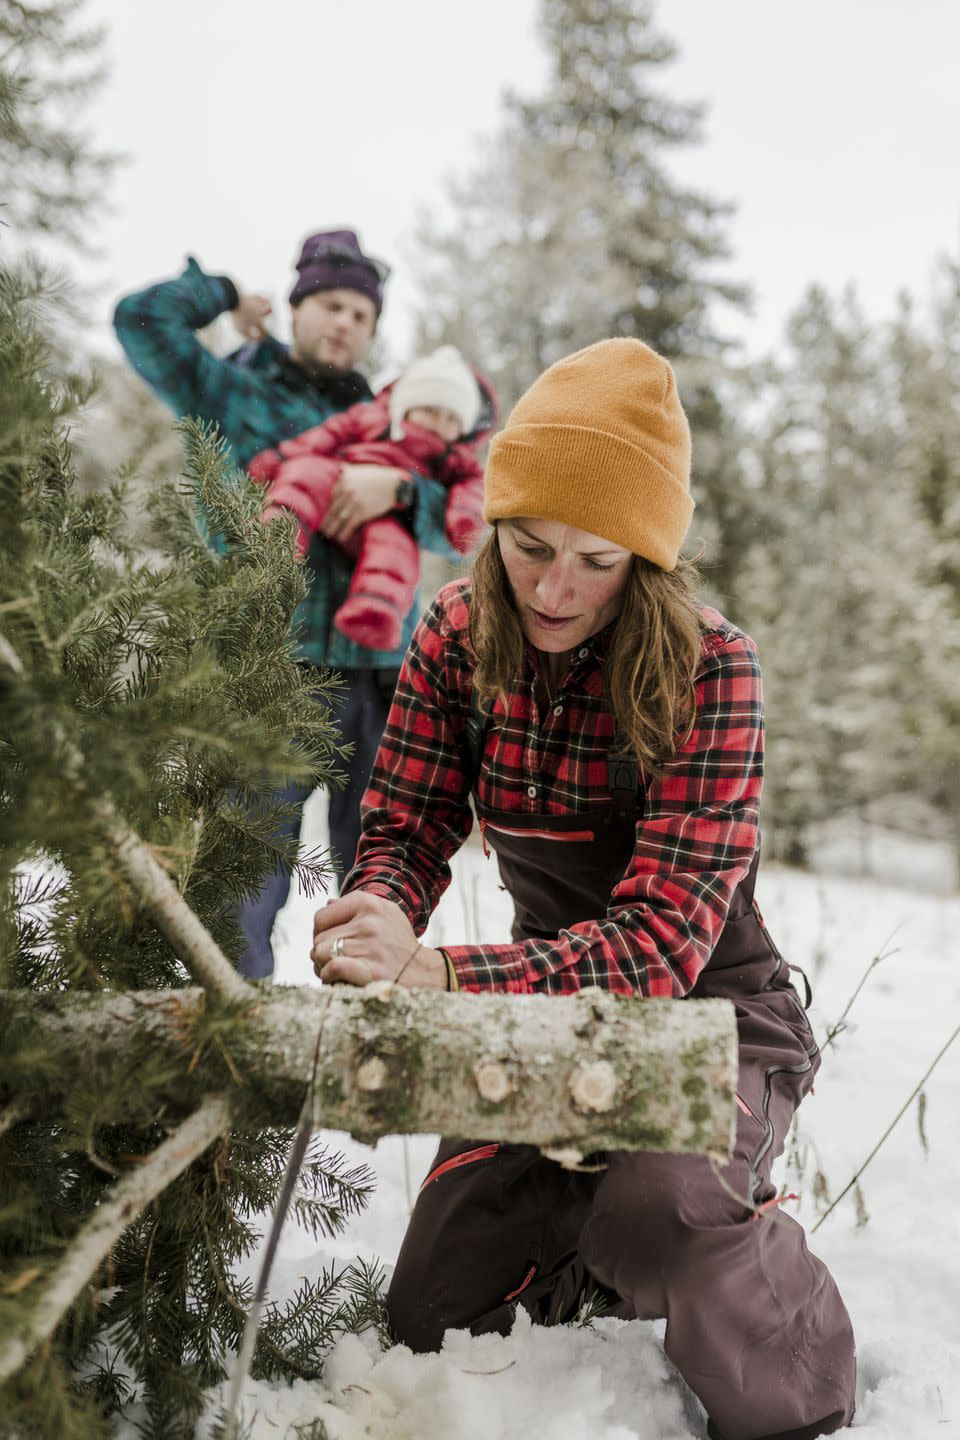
(405, 494)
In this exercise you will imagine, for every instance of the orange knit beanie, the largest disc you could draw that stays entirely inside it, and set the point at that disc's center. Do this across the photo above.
(600, 442)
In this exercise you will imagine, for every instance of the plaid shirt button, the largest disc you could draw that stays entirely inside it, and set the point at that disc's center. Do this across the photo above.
(532, 791)
(558, 709)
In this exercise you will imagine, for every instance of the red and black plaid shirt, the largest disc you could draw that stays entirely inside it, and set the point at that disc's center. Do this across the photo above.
(695, 839)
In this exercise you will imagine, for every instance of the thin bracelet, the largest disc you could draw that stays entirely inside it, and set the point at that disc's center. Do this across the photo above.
(412, 956)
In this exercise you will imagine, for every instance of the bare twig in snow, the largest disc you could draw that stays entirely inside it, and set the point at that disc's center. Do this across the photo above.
(922, 1121)
(882, 954)
(891, 1127)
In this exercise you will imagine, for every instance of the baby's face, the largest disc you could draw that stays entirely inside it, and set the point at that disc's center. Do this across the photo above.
(442, 422)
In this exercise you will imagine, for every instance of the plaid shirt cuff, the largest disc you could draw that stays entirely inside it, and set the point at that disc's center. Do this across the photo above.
(505, 968)
(408, 900)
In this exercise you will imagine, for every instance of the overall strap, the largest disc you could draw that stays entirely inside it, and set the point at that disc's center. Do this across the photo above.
(622, 781)
(474, 729)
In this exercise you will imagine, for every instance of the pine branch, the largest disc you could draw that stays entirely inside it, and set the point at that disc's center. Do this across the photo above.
(262, 823)
(12, 1113)
(157, 893)
(298, 1150)
(95, 1241)
(338, 1191)
(10, 657)
(168, 910)
(142, 693)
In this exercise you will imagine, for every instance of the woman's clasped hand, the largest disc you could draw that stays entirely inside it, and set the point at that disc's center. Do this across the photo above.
(364, 937)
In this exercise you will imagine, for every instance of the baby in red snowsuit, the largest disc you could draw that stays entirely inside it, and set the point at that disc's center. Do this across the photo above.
(424, 423)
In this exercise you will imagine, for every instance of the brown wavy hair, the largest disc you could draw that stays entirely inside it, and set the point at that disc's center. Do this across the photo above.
(649, 666)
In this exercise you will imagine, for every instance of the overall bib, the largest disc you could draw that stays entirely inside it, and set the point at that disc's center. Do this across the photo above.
(755, 1323)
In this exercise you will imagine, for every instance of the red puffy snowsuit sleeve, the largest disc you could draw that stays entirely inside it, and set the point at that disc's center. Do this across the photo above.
(300, 474)
(463, 518)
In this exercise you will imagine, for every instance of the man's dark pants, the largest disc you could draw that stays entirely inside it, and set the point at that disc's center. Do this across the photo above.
(360, 708)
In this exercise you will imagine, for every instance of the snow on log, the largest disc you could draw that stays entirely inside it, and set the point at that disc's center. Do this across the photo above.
(570, 1074)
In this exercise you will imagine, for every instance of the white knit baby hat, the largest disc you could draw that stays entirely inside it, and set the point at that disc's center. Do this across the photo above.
(443, 378)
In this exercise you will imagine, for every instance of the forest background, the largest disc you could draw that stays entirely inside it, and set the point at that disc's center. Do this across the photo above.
(523, 223)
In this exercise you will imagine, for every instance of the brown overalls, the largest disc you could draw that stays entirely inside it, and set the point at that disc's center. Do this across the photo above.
(755, 1323)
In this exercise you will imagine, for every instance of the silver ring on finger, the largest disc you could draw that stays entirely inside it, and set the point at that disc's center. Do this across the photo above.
(336, 949)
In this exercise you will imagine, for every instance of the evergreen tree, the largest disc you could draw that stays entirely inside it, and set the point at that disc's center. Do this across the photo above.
(926, 362)
(836, 592)
(572, 229)
(51, 173)
(149, 709)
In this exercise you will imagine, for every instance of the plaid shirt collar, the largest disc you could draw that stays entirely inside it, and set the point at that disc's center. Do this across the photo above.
(588, 656)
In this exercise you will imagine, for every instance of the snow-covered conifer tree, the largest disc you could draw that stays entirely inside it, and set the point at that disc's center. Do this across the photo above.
(836, 590)
(571, 228)
(926, 361)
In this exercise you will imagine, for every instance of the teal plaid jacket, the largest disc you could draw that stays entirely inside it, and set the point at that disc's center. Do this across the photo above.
(257, 398)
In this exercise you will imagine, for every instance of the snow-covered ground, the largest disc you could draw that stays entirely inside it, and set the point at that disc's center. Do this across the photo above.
(899, 1270)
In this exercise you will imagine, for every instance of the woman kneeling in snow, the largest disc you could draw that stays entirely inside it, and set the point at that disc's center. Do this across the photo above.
(610, 729)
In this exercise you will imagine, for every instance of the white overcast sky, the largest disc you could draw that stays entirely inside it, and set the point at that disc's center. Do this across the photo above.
(833, 125)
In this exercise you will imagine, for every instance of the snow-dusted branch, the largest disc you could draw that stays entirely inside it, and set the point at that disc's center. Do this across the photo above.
(100, 1234)
(570, 1074)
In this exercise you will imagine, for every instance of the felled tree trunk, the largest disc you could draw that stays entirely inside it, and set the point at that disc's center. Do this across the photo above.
(568, 1074)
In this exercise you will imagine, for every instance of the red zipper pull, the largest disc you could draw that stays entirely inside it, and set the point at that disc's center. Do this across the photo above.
(483, 837)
